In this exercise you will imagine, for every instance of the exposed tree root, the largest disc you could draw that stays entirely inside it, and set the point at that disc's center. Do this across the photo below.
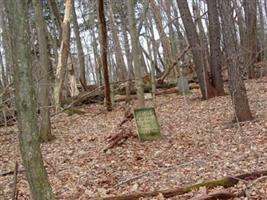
(226, 182)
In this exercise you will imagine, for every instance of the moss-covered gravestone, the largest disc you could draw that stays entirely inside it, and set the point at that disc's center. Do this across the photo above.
(147, 124)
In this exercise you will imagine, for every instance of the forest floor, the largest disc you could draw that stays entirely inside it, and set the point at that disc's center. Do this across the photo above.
(200, 142)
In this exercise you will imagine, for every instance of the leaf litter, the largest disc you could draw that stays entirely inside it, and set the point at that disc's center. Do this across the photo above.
(200, 142)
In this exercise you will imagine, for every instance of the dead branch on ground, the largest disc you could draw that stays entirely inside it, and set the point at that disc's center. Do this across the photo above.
(123, 133)
(215, 196)
(226, 182)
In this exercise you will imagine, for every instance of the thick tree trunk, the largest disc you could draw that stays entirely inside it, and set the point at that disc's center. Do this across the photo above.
(250, 7)
(136, 54)
(45, 125)
(26, 103)
(215, 46)
(104, 51)
(237, 85)
(63, 53)
(207, 90)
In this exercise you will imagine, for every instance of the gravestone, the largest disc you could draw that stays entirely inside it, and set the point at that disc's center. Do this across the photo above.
(147, 124)
(183, 85)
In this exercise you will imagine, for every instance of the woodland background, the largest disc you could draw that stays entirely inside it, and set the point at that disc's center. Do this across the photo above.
(72, 71)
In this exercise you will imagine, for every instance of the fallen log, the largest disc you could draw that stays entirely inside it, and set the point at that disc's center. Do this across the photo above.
(226, 182)
(119, 98)
(215, 196)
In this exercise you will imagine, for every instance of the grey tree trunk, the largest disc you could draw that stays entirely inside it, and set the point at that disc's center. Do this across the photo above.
(136, 54)
(104, 51)
(116, 44)
(63, 53)
(207, 90)
(57, 18)
(237, 85)
(168, 54)
(250, 7)
(215, 46)
(26, 103)
(45, 125)
(79, 49)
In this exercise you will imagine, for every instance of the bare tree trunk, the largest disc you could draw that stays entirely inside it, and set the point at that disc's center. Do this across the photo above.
(63, 53)
(250, 7)
(80, 49)
(262, 37)
(117, 47)
(104, 50)
(6, 42)
(25, 101)
(201, 31)
(207, 90)
(136, 54)
(169, 60)
(215, 46)
(54, 8)
(237, 86)
(45, 125)
(97, 61)
(72, 78)
(3, 71)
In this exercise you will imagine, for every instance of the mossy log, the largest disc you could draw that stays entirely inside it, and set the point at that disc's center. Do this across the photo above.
(225, 182)
(72, 111)
(215, 196)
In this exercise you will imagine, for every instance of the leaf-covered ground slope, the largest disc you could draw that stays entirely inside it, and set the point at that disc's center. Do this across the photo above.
(199, 143)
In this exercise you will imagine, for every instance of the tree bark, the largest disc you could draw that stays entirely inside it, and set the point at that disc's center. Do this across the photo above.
(167, 48)
(237, 85)
(104, 51)
(136, 54)
(215, 46)
(63, 53)
(45, 125)
(250, 7)
(117, 47)
(207, 90)
(25, 101)
(57, 18)
(79, 49)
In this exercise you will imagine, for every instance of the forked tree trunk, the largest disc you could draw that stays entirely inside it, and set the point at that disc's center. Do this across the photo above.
(237, 85)
(25, 101)
(207, 90)
(63, 53)
(45, 125)
(104, 51)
